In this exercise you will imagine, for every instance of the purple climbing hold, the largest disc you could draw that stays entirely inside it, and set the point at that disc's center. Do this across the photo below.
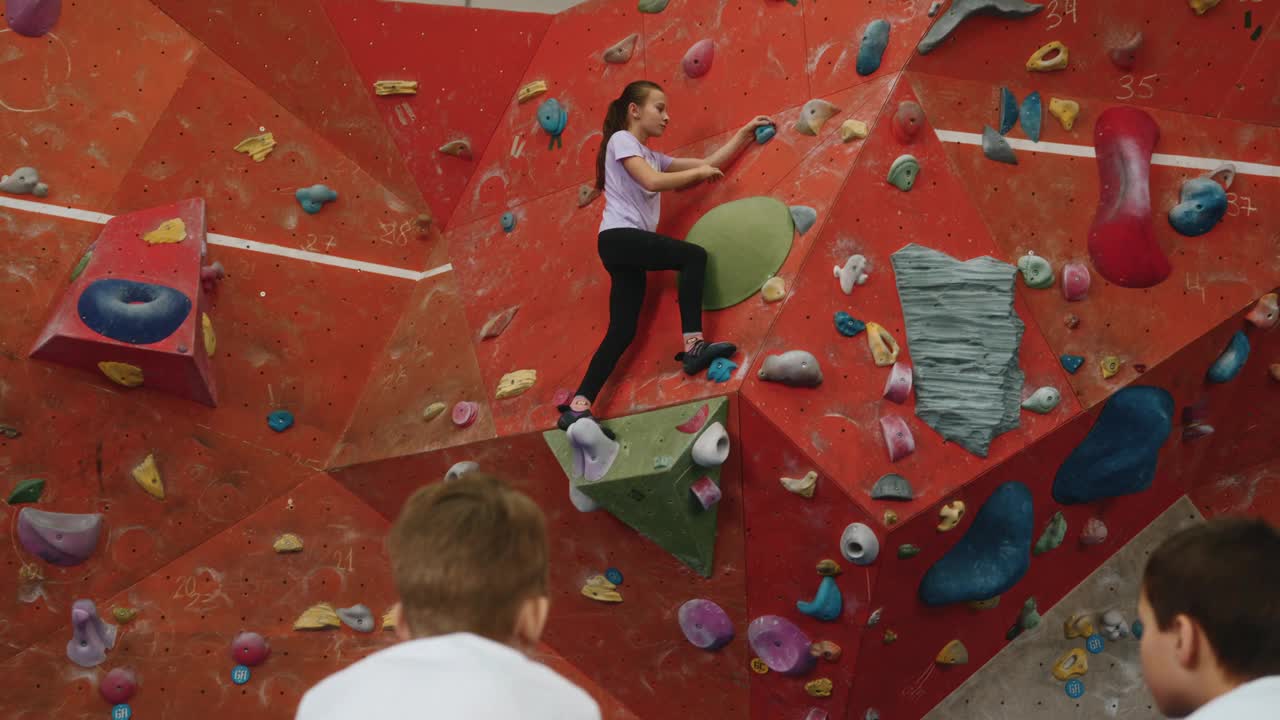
(705, 624)
(90, 636)
(118, 686)
(780, 644)
(250, 648)
(59, 538)
(697, 62)
(32, 18)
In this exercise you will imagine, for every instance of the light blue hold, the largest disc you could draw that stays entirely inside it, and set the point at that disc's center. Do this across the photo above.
(508, 222)
(280, 420)
(765, 133)
(1030, 116)
(1229, 363)
(1008, 110)
(827, 604)
(313, 198)
(553, 117)
(848, 325)
(874, 40)
(1072, 363)
(804, 217)
(721, 370)
(1203, 204)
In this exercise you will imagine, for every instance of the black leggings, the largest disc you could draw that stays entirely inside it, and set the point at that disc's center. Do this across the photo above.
(628, 253)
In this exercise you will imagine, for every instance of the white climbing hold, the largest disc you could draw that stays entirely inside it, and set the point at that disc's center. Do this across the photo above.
(711, 448)
(853, 273)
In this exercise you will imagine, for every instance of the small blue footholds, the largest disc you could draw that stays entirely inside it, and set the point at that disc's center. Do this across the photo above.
(240, 674)
(721, 370)
(121, 712)
(1031, 115)
(313, 198)
(1095, 644)
(1008, 111)
(765, 133)
(613, 575)
(1074, 688)
(508, 222)
(1072, 363)
(280, 420)
(848, 325)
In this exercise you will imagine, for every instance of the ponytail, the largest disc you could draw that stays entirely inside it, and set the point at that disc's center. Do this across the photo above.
(615, 119)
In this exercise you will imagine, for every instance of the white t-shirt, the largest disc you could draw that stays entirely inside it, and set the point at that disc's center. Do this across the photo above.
(449, 677)
(1255, 700)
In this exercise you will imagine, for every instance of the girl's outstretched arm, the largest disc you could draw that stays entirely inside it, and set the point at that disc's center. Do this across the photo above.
(724, 154)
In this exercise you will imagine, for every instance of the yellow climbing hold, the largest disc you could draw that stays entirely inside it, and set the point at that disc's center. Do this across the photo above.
(600, 589)
(317, 617)
(890, 637)
(827, 566)
(1040, 60)
(826, 650)
(1065, 110)
(515, 383)
(531, 91)
(122, 373)
(984, 604)
(758, 666)
(774, 290)
(954, 653)
(395, 87)
(432, 410)
(389, 619)
(890, 518)
(169, 232)
(852, 130)
(124, 615)
(801, 486)
(287, 543)
(1203, 6)
(819, 688)
(1072, 664)
(1077, 626)
(1110, 365)
(210, 339)
(884, 349)
(257, 147)
(950, 515)
(147, 475)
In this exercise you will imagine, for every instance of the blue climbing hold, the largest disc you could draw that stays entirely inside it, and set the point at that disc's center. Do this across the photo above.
(1118, 456)
(827, 604)
(993, 555)
(508, 222)
(1072, 363)
(1228, 364)
(1095, 644)
(240, 674)
(133, 312)
(874, 40)
(280, 420)
(1030, 116)
(313, 198)
(1202, 204)
(848, 325)
(1008, 110)
(721, 370)
(765, 133)
(1137, 627)
(553, 117)
(613, 575)
(1074, 688)
(121, 712)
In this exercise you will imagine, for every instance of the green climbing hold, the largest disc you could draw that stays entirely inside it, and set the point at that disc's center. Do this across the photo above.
(746, 242)
(1028, 619)
(908, 551)
(653, 6)
(902, 174)
(27, 491)
(84, 263)
(1052, 536)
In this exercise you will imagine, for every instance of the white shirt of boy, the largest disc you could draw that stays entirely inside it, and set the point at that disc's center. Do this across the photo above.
(448, 677)
(1255, 700)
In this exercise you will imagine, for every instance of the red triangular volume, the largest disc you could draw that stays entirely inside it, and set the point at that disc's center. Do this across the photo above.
(134, 311)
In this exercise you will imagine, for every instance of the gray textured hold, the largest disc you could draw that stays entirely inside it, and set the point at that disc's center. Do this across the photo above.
(967, 380)
(962, 10)
(798, 368)
(892, 487)
(804, 217)
(357, 617)
(996, 147)
(24, 181)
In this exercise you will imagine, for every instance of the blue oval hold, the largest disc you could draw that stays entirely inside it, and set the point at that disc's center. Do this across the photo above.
(827, 604)
(721, 370)
(313, 198)
(848, 325)
(508, 222)
(121, 712)
(240, 674)
(993, 555)
(552, 116)
(133, 312)
(613, 575)
(1118, 456)
(1030, 116)
(874, 40)
(280, 420)
(1137, 627)
(1071, 363)
(1203, 204)
(765, 133)
(1008, 110)
(1074, 688)
(1095, 644)
(1229, 363)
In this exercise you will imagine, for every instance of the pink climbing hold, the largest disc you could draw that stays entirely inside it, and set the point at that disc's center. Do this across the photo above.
(561, 396)
(697, 62)
(1075, 281)
(705, 624)
(1266, 313)
(780, 644)
(816, 714)
(898, 387)
(694, 424)
(250, 649)
(1122, 241)
(907, 122)
(118, 686)
(211, 275)
(90, 636)
(32, 18)
(897, 437)
(1094, 532)
(464, 413)
(706, 491)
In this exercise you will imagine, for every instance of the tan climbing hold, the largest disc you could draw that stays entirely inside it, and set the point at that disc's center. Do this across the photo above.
(457, 148)
(1203, 6)
(257, 147)
(287, 543)
(124, 615)
(884, 349)
(852, 130)
(600, 589)
(1077, 626)
(169, 232)
(1072, 664)
(950, 515)
(985, 604)
(515, 383)
(531, 91)
(1066, 111)
(389, 619)
(826, 650)
(890, 637)
(433, 410)
(396, 87)
(122, 373)
(801, 486)
(210, 338)
(1041, 62)
(758, 666)
(890, 518)
(814, 115)
(774, 290)
(1110, 365)
(1275, 371)
(147, 475)
(819, 688)
(828, 566)
(317, 617)
(954, 653)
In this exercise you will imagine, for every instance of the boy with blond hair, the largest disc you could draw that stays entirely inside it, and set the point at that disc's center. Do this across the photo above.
(1210, 606)
(470, 564)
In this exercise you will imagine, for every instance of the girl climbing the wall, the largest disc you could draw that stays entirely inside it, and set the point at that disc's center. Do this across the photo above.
(633, 177)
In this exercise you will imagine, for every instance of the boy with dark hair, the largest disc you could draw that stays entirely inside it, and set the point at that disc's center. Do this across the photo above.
(469, 558)
(1210, 608)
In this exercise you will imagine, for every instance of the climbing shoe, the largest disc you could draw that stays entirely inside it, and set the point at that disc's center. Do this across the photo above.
(700, 356)
(569, 416)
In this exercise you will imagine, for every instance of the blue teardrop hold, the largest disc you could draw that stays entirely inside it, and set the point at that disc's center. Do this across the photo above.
(765, 133)
(1008, 111)
(613, 575)
(280, 420)
(1074, 688)
(1072, 363)
(1232, 359)
(240, 674)
(1137, 628)
(121, 712)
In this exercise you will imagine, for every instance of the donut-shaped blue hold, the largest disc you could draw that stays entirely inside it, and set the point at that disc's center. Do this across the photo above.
(1204, 202)
(133, 312)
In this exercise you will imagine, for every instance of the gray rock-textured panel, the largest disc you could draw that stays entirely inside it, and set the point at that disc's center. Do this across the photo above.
(963, 335)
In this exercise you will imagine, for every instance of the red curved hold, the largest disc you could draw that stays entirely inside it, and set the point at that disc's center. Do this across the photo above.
(694, 424)
(1122, 241)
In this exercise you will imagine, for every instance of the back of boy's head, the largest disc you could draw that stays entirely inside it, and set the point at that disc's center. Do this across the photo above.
(466, 555)
(1224, 575)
